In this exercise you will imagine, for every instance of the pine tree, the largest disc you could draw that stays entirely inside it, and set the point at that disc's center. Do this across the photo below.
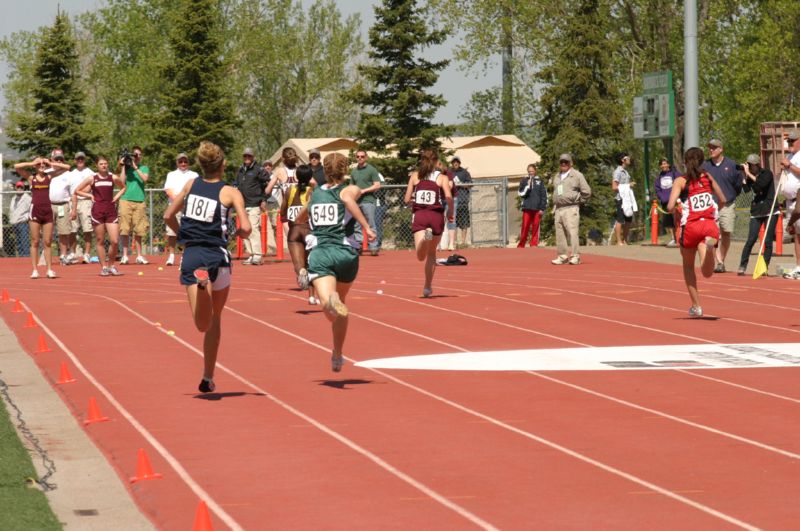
(57, 119)
(398, 111)
(195, 105)
(581, 114)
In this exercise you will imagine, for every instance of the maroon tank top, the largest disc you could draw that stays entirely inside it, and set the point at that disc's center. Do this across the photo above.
(428, 195)
(40, 192)
(103, 188)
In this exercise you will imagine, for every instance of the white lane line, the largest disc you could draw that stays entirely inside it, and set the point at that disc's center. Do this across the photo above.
(740, 386)
(320, 426)
(155, 443)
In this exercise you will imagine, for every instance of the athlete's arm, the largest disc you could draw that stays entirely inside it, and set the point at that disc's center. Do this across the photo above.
(349, 196)
(82, 189)
(717, 192)
(677, 188)
(232, 196)
(412, 182)
(171, 214)
(448, 196)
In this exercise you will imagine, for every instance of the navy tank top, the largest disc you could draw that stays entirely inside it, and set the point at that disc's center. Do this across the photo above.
(205, 218)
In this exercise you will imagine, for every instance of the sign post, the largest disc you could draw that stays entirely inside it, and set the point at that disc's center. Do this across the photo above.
(654, 117)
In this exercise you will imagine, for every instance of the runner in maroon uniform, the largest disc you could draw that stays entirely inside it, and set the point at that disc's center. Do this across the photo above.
(699, 232)
(40, 220)
(424, 193)
(104, 212)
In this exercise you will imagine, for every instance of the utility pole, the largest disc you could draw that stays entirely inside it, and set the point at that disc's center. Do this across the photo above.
(691, 128)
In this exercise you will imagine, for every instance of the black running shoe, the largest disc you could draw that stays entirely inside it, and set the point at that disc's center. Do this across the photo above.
(206, 386)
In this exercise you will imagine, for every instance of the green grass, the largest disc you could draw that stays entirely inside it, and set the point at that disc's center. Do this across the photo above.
(21, 507)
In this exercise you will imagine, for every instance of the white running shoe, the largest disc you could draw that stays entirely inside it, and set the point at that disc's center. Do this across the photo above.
(86, 258)
(302, 279)
(171, 260)
(141, 260)
(313, 301)
(428, 234)
(35, 273)
(105, 272)
(336, 363)
(115, 272)
(124, 260)
(427, 292)
(51, 274)
(335, 307)
(574, 260)
(561, 260)
(695, 311)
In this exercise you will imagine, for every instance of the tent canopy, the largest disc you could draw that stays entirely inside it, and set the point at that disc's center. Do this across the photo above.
(485, 157)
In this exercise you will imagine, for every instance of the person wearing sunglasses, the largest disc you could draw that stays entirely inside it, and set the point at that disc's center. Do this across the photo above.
(730, 180)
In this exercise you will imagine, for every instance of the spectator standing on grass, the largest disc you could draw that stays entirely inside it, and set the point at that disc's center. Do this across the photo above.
(18, 218)
(61, 189)
(663, 186)
(40, 217)
(463, 185)
(534, 201)
(83, 208)
(729, 179)
(760, 181)
(791, 165)
(570, 191)
(366, 178)
(132, 208)
(624, 199)
(251, 180)
(381, 207)
(176, 180)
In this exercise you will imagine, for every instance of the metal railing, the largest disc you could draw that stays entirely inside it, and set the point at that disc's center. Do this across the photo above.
(488, 214)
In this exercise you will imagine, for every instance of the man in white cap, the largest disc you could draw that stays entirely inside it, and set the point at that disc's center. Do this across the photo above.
(791, 165)
(176, 180)
(730, 181)
(82, 217)
(570, 191)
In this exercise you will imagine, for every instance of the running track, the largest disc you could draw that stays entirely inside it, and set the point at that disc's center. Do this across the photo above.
(285, 443)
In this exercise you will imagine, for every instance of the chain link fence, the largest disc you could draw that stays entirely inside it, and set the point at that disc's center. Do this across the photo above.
(488, 225)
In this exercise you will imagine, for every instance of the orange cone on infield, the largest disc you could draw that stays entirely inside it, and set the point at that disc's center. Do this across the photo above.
(202, 520)
(94, 413)
(143, 469)
(17, 307)
(5, 298)
(64, 376)
(42, 347)
(31, 322)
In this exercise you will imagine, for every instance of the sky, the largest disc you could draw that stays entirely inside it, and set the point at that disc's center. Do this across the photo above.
(455, 85)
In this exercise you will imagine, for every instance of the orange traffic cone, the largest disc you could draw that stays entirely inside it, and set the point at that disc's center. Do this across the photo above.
(31, 322)
(143, 468)
(42, 345)
(5, 298)
(202, 520)
(94, 413)
(17, 307)
(65, 377)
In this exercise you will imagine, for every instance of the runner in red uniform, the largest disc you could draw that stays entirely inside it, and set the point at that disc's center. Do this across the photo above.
(40, 220)
(104, 212)
(699, 229)
(424, 193)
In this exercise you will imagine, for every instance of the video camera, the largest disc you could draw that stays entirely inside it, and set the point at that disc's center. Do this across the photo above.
(127, 157)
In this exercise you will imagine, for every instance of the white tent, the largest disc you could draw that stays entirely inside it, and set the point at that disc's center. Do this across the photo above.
(485, 157)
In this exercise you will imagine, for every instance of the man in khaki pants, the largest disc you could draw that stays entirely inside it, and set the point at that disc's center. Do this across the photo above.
(570, 191)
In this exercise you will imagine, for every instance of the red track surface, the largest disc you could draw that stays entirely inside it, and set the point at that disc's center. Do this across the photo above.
(285, 443)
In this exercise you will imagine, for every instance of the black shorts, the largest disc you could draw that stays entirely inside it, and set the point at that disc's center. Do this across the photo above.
(669, 219)
(210, 258)
(620, 215)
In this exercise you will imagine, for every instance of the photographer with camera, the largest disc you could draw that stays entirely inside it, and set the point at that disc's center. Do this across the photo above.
(132, 210)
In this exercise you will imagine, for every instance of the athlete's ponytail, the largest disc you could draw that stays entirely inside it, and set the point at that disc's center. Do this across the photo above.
(303, 174)
(693, 158)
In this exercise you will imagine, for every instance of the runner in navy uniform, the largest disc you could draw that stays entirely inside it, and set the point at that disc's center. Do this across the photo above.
(699, 230)
(104, 212)
(424, 193)
(40, 220)
(206, 263)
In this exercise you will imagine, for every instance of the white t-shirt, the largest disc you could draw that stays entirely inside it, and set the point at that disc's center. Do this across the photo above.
(792, 182)
(77, 177)
(177, 179)
(62, 188)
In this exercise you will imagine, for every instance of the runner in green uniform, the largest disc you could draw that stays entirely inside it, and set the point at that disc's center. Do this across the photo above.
(333, 262)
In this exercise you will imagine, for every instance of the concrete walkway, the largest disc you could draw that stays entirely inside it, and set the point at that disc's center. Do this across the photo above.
(89, 494)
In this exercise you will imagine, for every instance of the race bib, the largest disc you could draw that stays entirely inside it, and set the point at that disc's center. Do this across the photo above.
(324, 214)
(200, 208)
(425, 197)
(292, 212)
(701, 202)
(61, 211)
(560, 189)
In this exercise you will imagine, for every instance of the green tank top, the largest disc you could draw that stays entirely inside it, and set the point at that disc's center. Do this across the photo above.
(329, 219)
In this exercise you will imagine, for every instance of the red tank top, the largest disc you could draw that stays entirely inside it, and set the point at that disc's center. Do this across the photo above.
(40, 192)
(698, 200)
(428, 195)
(103, 188)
